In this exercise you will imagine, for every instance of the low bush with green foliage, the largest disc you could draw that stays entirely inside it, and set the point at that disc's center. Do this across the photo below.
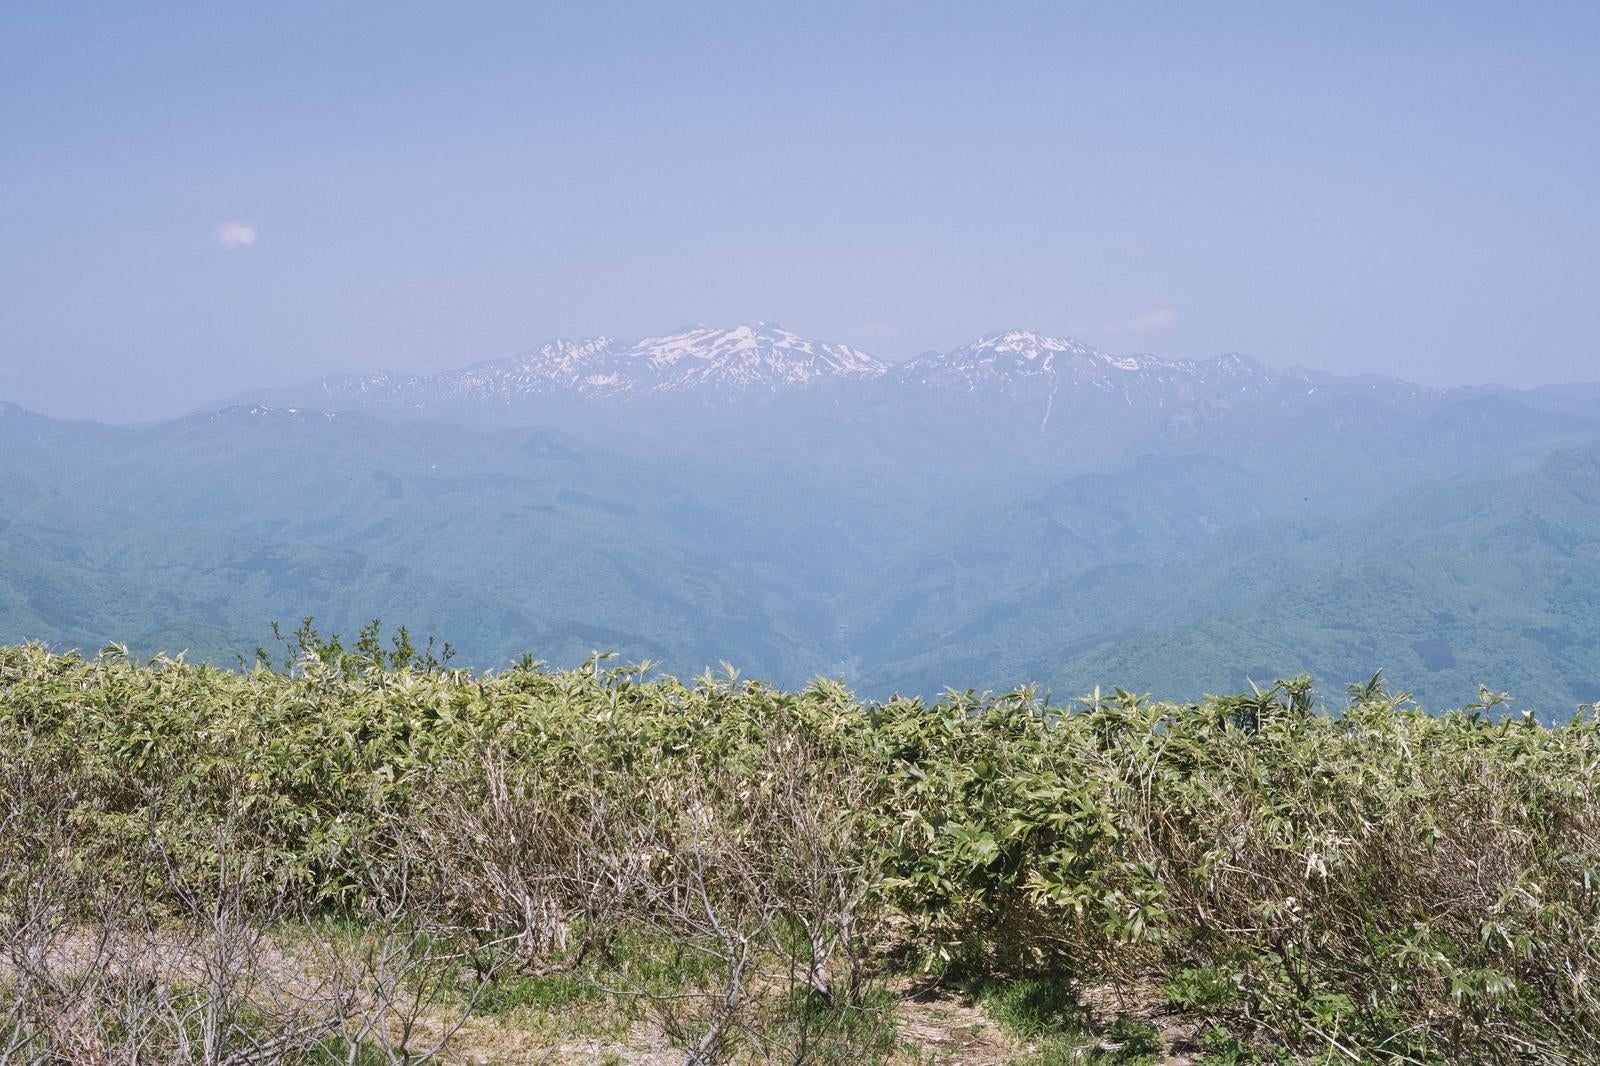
(1366, 883)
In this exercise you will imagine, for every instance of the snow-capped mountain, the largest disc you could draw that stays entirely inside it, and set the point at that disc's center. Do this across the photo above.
(1027, 362)
(1059, 385)
(716, 365)
(999, 355)
(1007, 381)
(760, 356)
(1018, 356)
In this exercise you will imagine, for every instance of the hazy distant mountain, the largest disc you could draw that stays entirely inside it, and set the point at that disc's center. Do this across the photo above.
(1019, 508)
(196, 533)
(1009, 397)
(1153, 579)
(718, 366)
(1024, 361)
(759, 362)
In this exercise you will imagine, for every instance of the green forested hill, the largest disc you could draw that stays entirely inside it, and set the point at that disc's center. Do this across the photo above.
(1465, 582)
(76, 576)
(1454, 552)
(503, 542)
(1453, 583)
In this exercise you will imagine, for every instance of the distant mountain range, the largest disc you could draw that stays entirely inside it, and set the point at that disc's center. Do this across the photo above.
(1048, 384)
(720, 365)
(1021, 508)
(762, 361)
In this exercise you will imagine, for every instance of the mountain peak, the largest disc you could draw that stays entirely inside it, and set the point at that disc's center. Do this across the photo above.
(1238, 362)
(1028, 344)
(757, 354)
(752, 361)
(717, 364)
(702, 341)
(1004, 354)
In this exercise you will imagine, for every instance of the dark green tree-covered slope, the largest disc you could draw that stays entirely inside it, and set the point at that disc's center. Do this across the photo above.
(1454, 549)
(1457, 583)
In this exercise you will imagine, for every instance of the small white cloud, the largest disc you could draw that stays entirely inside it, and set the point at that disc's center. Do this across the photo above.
(1160, 318)
(236, 234)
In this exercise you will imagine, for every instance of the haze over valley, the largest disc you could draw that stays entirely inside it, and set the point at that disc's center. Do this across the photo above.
(1020, 508)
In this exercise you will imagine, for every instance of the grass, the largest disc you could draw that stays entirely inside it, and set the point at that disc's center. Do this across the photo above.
(1046, 1016)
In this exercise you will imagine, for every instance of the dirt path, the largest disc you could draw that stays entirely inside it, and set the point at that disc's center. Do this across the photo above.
(935, 1027)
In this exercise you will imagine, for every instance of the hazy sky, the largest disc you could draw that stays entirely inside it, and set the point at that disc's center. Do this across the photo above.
(196, 199)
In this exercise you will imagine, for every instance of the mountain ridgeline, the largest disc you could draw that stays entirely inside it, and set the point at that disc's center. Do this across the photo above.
(1021, 508)
(766, 367)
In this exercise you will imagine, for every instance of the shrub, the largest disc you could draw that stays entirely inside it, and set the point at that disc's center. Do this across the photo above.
(1373, 881)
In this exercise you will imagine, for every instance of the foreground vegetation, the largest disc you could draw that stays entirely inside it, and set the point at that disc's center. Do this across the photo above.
(350, 855)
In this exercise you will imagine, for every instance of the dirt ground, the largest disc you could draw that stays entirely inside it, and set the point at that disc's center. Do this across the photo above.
(936, 1027)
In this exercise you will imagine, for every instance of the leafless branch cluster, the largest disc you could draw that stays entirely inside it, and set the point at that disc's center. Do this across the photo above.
(736, 906)
(113, 963)
(764, 884)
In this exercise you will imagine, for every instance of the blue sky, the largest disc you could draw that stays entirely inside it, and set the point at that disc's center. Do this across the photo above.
(197, 199)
